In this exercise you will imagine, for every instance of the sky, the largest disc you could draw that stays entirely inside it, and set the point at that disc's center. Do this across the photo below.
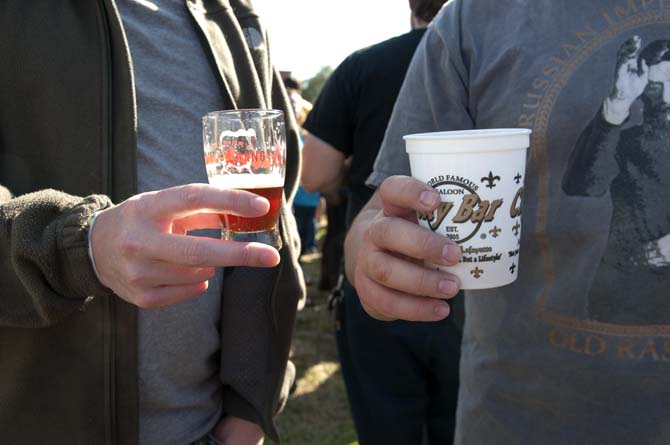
(306, 35)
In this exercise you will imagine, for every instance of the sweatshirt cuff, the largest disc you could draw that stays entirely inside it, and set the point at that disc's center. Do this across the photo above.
(73, 249)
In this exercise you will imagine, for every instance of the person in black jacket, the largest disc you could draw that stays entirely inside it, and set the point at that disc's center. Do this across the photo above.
(118, 324)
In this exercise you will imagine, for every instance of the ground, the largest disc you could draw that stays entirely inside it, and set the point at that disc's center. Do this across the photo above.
(317, 412)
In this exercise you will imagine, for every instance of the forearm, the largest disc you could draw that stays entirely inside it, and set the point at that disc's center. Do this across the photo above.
(323, 166)
(326, 186)
(45, 270)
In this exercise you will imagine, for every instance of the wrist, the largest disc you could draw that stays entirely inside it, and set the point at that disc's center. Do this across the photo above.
(90, 227)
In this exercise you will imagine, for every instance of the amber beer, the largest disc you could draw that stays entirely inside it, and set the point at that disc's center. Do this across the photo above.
(234, 223)
(269, 186)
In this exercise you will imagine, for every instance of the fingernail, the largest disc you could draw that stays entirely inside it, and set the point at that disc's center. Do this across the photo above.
(448, 287)
(451, 253)
(429, 199)
(441, 310)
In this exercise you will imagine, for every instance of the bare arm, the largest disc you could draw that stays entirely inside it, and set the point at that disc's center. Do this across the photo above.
(322, 166)
(385, 249)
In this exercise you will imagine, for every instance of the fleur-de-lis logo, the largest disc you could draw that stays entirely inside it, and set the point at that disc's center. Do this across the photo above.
(491, 180)
(477, 272)
(495, 231)
(516, 228)
(517, 178)
(512, 268)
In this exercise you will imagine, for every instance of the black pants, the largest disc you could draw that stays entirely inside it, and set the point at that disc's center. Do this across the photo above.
(333, 245)
(401, 377)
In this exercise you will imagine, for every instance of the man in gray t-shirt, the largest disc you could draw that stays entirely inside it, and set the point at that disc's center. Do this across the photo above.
(577, 350)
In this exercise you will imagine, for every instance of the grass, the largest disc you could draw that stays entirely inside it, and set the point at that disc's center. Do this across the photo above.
(318, 411)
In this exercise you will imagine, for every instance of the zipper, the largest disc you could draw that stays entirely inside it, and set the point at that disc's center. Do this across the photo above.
(105, 169)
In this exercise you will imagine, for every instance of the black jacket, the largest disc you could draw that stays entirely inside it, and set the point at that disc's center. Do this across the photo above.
(68, 363)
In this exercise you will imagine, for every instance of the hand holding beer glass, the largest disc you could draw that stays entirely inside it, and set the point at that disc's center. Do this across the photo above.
(246, 149)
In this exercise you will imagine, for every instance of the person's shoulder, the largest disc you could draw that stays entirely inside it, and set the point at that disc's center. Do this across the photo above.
(484, 12)
(386, 47)
(461, 21)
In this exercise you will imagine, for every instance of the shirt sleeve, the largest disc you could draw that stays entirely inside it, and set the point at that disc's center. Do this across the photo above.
(433, 96)
(45, 269)
(332, 117)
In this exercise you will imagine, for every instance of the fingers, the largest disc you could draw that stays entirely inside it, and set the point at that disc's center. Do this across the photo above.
(409, 278)
(201, 252)
(630, 49)
(412, 240)
(142, 253)
(182, 201)
(391, 281)
(158, 273)
(628, 56)
(403, 195)
(384, 303)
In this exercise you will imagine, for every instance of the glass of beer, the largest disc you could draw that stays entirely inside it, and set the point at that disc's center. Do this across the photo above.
(246, 149)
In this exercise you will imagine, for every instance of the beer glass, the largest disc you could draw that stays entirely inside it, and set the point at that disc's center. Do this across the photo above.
(246, 149)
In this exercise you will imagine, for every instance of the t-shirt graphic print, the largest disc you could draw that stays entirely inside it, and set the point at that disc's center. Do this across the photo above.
(629, 161)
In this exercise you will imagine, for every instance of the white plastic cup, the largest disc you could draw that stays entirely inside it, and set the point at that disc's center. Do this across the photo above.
(479, 175)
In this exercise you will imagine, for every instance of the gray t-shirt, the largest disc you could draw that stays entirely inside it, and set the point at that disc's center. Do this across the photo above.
(577, 350)
(179, 360)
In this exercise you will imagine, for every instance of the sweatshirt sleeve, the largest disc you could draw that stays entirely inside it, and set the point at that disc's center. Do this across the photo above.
(45, 270)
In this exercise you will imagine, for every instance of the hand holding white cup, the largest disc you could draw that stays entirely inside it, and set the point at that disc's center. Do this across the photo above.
(480, 177)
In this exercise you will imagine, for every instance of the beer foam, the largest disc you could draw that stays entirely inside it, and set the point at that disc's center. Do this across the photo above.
(247, 181)
(241, 132)
(248, 133)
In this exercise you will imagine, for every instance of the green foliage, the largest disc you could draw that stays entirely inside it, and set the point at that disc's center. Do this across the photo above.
(312, 87)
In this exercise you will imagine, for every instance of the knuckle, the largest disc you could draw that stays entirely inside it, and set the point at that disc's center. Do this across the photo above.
(209, 273)
(387, 307)
(237, 200)
(134, 275)
(194, 254)
(147, 299)
(245, 255)
(426, 282)
(427, 244)
(379, 231)
(191, 195)
(372, 313)
(394, 186)
(137, 205)
(129, 244)
(386, 186)
(418, 311)
(380, 270)
(375, 300)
